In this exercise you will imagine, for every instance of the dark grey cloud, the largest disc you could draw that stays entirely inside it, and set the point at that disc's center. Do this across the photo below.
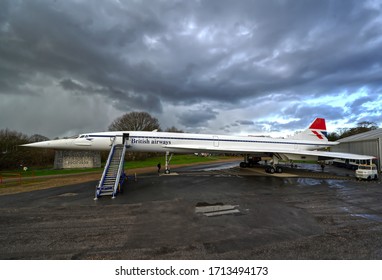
(134, 56)
(358, 107)
(123, 100)
(307, 113)
(244, 122)
(69, 84)
(197, 118)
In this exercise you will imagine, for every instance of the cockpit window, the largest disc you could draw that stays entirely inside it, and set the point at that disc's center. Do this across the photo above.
(84, 136)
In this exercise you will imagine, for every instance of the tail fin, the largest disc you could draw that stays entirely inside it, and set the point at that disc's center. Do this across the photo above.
(315, 132)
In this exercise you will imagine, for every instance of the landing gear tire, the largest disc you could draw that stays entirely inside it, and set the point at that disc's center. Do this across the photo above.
(167, 171)
(270, 169)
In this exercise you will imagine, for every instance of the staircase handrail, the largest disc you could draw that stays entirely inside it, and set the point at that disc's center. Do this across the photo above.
(106, 166)
(120, 168)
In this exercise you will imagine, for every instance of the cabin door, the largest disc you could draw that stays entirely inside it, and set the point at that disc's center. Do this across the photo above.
(125, 137)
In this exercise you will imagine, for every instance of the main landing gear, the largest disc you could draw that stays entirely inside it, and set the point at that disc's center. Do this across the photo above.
(251, 161)
(273, 169)
(167, 163)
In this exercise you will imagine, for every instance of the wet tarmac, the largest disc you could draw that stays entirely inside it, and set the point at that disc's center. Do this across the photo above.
(214, 211)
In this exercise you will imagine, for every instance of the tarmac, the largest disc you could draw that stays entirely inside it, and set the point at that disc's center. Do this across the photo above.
(213, 211)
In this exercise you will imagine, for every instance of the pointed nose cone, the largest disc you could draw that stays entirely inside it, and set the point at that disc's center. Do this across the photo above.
(53, 144)
(44, 144)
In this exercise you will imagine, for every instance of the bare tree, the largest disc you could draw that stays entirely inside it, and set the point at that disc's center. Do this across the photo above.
(37, 138)
(13, 156)
(135, 121)
(174, 129)
(360, 128)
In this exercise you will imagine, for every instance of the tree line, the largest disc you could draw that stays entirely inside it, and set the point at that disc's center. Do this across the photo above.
(346, 132)
(13, 156)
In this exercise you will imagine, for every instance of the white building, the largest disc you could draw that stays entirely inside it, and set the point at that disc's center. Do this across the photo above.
(367, 143)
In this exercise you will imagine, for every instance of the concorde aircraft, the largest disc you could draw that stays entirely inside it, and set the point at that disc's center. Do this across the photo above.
(303, 146)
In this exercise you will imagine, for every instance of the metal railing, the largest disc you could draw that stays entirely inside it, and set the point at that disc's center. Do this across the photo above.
(100, 184)
(120, 169)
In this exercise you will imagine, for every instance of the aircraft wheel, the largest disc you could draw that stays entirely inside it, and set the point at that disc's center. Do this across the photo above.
(243, 164)
(167, 171)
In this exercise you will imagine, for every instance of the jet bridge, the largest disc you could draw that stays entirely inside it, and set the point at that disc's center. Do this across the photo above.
(113, 175)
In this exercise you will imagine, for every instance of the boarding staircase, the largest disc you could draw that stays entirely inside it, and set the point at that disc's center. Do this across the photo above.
(113, 175)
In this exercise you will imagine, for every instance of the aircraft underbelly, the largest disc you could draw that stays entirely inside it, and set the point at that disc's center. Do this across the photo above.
(301, 157)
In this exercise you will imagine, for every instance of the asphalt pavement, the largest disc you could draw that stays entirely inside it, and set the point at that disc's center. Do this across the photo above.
(214, 211)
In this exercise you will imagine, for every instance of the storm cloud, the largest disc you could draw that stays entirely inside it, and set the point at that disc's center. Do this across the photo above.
(74, 66)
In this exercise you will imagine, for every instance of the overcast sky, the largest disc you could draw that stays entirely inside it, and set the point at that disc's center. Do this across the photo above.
(229, 67)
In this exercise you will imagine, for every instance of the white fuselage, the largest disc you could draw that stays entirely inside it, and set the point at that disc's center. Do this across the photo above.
(142, 141)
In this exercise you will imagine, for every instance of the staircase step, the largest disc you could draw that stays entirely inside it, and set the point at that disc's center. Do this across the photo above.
(109, 178)
(105, 193)
(108, 183)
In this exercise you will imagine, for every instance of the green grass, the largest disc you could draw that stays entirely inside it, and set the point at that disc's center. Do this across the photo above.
(149, 162)
(176, 159)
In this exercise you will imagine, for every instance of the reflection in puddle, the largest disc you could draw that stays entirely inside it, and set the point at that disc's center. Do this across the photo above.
(334, 184)
(309, 182)
(371, 217)
(222, 166)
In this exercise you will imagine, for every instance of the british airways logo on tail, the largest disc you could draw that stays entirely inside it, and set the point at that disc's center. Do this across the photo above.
(320, 134)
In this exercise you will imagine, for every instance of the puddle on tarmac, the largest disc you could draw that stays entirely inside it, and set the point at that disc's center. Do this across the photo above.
(372, 217)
